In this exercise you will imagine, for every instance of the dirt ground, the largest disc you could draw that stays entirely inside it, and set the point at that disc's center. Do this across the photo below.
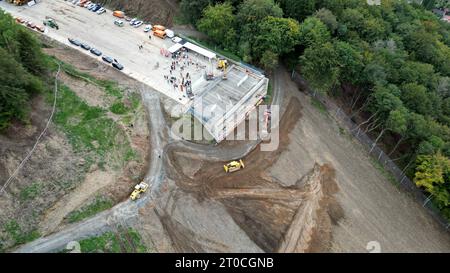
(257, 213)
(155, 11)
(373, 209)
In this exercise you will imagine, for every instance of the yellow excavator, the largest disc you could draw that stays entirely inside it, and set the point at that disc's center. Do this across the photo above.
(233, 166)
(223, 64)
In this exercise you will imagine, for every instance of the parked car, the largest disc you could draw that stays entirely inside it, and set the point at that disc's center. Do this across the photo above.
(90, 6)
(86, 4)
(118, 23)
(96, 52)
(138, 24)
(19, 20)
(147, 28)
(96, 8)
(170, 33)
(101, 10)
(40, 28)
(31, 24)
(128, 19)
(177, 39)
(134, 20)
(117, 66)
(107, 59)
(74, 42)
(85, 46)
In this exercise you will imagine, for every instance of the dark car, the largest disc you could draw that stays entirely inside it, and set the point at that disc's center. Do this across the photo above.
(117, 65)
(74, 42)
(107, 59)
(96, 52)
(96, 8)
(85, 46)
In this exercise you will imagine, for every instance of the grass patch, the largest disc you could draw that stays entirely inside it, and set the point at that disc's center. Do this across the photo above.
(98, 205)
(16, 233)
(125, 240)
(87, 127)
(111, 88)
(319, 106)
(385, 173)
(30, 192)
(119, 108)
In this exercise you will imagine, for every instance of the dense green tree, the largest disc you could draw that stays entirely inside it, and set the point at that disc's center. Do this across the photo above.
(218, 23)
(328, 18)
(433, 175)
(313, 32)
(20, 60)
(296, 9)
(319, 64)
(279, 35)
(191, 10)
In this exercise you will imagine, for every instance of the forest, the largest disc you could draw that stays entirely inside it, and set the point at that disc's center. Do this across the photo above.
(22, 68)
(389, 62)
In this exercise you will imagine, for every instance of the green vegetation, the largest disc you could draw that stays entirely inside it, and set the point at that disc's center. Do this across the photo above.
(389, 62)
(125, 240)
(119, 108)
(22, 65)
(319, 106)
(433, 173)
(86, 127)
(389, 176)
(16, 233)
(30, 192)
(98, 205)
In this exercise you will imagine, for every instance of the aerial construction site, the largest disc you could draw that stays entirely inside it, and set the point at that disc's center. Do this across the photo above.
(100, 165)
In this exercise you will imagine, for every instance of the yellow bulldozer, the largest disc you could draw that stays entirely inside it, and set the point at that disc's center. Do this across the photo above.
(233, 166)
(138, 189)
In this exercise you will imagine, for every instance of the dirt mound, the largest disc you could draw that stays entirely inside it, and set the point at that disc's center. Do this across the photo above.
(154, 11)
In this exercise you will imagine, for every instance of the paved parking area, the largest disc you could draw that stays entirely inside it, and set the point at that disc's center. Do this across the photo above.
(151, 64)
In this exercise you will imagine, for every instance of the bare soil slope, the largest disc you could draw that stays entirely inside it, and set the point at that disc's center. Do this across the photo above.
(154, 11)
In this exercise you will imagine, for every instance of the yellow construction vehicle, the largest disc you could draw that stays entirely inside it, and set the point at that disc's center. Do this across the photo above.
(234, 166)
(19, 2)
(138, 189)
(222, 64)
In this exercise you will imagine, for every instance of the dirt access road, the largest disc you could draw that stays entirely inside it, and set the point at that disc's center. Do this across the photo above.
(147, 65)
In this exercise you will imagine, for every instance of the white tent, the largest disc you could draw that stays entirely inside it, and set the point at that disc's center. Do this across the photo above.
(208, 54)
(175, 48)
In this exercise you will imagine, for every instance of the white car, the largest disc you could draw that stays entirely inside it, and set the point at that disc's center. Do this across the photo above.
(170, 33)
(147, 28)
(101, 10)
(134, 20)
(138, 24)
(176, 39)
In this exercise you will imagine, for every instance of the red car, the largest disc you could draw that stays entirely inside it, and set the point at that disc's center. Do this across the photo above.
(19, 20)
